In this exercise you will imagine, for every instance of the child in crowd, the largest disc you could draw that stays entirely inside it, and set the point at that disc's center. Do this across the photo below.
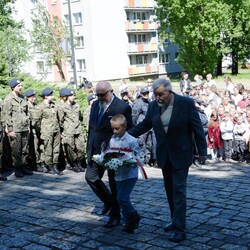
(126, 176)
(226, 127)
(214, 138)
(240, 133)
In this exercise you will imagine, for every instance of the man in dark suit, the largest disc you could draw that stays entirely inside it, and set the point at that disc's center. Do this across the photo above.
(177, 125)
(99, 134)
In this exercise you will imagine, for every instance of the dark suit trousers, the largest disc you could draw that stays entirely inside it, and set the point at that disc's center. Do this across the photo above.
(94, 174)
(175, 185)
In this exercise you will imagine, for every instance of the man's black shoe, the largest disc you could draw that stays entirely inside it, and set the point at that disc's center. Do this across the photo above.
(104, 210)
(178, 237)
(2, 177)
(26, 171)
(112, 222)
(18, 173)
(169, 227)
(128, 229)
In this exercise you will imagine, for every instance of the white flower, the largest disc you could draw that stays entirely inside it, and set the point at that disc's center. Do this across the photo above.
(114, 158)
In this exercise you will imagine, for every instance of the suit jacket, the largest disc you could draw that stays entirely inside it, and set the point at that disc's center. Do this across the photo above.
(177, 144)
(182, 84)
(102, 133)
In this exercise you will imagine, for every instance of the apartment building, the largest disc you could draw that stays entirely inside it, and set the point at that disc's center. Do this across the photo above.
(113, 39)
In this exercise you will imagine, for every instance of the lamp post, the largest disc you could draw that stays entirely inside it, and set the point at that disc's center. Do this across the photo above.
(73, 59)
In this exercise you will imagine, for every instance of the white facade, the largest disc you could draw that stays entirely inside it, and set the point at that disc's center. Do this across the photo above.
(114, 39)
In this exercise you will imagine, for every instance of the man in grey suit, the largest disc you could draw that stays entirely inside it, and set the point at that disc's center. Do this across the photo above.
(177, 126)
(99, 134)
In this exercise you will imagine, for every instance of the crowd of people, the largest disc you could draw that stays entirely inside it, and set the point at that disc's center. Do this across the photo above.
(173, 132)
(39, 133)
(225, 115)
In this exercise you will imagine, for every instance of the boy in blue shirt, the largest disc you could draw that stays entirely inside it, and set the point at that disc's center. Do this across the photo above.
(126, 176)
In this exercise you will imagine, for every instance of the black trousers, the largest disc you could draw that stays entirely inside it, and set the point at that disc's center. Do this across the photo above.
(176, 185)
(93, 176)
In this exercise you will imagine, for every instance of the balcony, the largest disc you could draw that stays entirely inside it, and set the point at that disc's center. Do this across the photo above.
(134, 48)
(143, 70)
(139, 4)
(134, 26)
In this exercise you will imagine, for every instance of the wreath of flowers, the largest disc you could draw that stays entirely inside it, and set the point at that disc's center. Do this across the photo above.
(114, 158)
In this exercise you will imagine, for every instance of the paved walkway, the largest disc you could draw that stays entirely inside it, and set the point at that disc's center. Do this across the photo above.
(59, 212)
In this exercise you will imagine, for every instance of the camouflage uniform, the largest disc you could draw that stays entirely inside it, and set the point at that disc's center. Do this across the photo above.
(2, 178)
(35, 136)
(48, 123)
(147, 141)
(70, 117)
(16, 118)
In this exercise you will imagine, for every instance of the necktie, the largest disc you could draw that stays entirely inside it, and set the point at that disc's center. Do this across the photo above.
(100, 115)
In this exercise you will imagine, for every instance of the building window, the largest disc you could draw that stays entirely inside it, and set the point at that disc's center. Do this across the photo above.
(66, 19)
(34, 4)
(77, 18)
(176, 55)
(79, 41)
(164, 58)
(81, 64)
(40, 67)
(141, 59)
(140, 16)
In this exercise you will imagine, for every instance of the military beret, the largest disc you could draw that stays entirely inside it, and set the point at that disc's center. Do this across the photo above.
(124, 91)
(14, 82)
(63, 92)
(144, 90)
(70, 92)
(30, 92)
(47, 92)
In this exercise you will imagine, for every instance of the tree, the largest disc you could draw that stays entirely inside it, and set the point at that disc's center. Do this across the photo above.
(237, 36)
(47, 36)
(13, 46)
(195, 25)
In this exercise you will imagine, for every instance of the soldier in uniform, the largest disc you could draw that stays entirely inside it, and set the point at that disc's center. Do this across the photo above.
(147, 140)
(16, 122)
(48, 123)
(70, 118)
(35, 136)
(2, 177)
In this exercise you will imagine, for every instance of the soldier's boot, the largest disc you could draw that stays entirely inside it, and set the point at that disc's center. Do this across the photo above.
(75, 167)
(54, 169)
(26, 171)
(2, 177)
(67, 165)
(80, 168)
(18, 172)
(42, 168)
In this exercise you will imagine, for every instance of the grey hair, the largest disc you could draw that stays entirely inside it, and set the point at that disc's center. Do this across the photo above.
(162, 82)
(104, 85)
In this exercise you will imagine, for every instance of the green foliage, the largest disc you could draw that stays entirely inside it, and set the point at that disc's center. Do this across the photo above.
(205, 29)
(28, 82)
(13, 46)
(47, 36)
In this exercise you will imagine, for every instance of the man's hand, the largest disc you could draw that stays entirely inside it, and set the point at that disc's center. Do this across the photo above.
(12, 135)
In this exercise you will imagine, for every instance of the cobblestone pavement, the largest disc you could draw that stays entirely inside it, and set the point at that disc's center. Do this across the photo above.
(59, 212)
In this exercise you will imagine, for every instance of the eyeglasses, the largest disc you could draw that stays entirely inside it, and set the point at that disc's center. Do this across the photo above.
(161, 94)
(103, 94)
